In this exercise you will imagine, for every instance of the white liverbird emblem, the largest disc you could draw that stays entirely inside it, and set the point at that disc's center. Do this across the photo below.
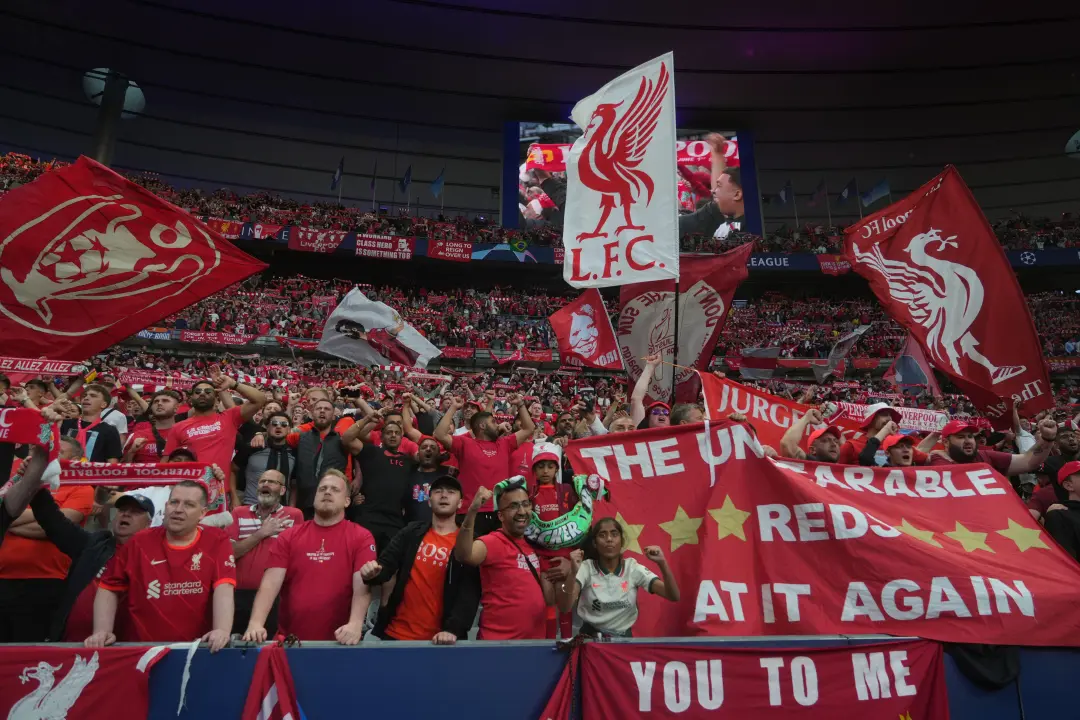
(53, 703)
(944, 297)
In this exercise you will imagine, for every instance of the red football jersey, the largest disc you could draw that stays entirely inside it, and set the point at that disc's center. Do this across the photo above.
(169, 589)
(319, 565)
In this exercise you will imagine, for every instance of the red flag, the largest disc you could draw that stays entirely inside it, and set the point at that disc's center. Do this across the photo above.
(789, 547)
(88, 258)
(560, 706)
(585, 335)
(37, 681)
(903, 680)
(939, 270)
(271, 695)
(912, 368)
(320, 241)
(647, 319)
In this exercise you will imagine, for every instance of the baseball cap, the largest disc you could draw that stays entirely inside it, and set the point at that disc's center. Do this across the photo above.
(873, 410)
(958, 426)
(895, 440)
(827, 429)
(143, 502)
(475, 404)
(446, 481)
(1069, 468)
(545, 451)
(659, 404)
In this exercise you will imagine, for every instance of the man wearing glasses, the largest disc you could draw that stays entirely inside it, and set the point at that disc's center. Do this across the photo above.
(275, 454)
(252, 532)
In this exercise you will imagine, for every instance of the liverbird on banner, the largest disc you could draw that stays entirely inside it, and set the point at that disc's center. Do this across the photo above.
(621, 217)
(931, 259)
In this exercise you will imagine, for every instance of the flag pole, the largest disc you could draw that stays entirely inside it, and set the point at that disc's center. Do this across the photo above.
(858, 198)
(394, 180)
(828, 208)
(795, 206)
(675, 351)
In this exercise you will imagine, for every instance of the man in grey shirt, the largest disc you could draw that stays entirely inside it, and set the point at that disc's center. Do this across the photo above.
(274, 455)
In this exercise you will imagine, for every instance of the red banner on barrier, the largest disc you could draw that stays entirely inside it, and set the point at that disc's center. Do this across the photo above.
(903, 680)
(454, 250)
(387, 247)
(537, 356)
(834, 264)
(230, 229)
(298, 344)
(759, 547)
(457, 353)
(265, 231)
(215, 338)
(551, 157)
(320, 241)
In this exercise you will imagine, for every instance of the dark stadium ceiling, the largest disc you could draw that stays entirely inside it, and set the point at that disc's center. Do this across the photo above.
(780, 67)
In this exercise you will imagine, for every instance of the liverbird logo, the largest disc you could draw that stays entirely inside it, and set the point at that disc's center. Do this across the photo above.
(944, 297)
(196, 561)
(614, 148)
(47, 702)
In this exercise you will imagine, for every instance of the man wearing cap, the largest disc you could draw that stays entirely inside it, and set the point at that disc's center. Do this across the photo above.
(899, 450)
(824, 442)
(435, 596)
(1063, 523)
(73, 619)
(877, 418)
(1050, 491)
(962, 447)
(657, 414)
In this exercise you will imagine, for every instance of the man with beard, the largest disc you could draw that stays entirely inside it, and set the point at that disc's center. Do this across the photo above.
(435, 595)
(99, 439)
(1050, 491)
(146, 443)
(274, 455)
(485, 457)
(315, 566)
(1063, 521)
(73, 620)
(252, 532)
(515, 594)
(824, 443)
(177, 580)
(383, 481)
(962, 447)
(210, 434)
(428, 467)
(319, 449)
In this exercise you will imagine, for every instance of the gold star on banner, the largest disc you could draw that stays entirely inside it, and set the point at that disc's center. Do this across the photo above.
(729, 520)
(1025, 538)
(925, 535)
(683, 529)
(971, 540)
(633, 532)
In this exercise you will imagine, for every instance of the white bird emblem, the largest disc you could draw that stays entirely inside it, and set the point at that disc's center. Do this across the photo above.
(53, 703)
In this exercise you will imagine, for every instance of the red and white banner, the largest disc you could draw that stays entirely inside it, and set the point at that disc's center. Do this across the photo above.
(770, 415)
(552, 157)
(156, 379)
(298, 344)
(133, 474)
(646, 322)
(910, 418)
(936, 265)
(320, 241)
(903, 680)
(230, 229)
(453, 250)
(271, 692)
(536, 356)
(457, 353)
(40, 366)
(265, 231)
(89, 258)
(38, 681)
(834, 264)
(428, 377)
(585, 335)
(621, 214)
(215, 338)
(948, 553)
(387, 247)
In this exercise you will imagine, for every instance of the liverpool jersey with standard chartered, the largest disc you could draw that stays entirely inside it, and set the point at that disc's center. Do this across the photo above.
(168, 589)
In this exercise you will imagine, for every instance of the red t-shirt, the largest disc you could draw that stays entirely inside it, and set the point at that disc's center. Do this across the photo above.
(521, 458)
(211, 437)
(407, 446)
(998, 460)
(80, 621)
(514, 607)
(850, 451)
(1042, 499)
(25, 558)
(482, 462)
(148, 453)
(419, 617)
(246, 522)
(319, 564)
(169, 589)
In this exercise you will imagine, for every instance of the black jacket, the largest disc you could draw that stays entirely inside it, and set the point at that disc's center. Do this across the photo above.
(1064, 526)
(89, 551)
(461, 589)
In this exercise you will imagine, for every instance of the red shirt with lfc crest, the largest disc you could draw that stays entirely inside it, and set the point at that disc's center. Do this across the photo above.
(168, 588)
(319, 562)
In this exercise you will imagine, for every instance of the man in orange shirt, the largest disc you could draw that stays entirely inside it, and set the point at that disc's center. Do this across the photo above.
(32, 569)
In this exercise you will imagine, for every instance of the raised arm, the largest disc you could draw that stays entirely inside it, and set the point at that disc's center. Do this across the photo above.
(24, 488)
(789, 443)
(1036, 456)
(444, 431)
(641, 388)
(467, 549)
(666, 587)
(409, 430)
(528, 427)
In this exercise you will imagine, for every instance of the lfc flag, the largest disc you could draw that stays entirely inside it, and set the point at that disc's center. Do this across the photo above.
(88, 258)
(935, 264)
(104, 684)
(271, 694)
(621, 218)
(585, 335)
(647, 320)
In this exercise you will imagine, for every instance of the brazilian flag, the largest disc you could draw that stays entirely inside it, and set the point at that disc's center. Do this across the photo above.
(519, 244)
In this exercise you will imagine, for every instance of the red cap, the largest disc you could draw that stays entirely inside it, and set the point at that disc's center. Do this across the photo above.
(827, 429)
(545, 451)
(873, 410)
(895, 440)
(958, 426)
(1069, 468)
(659, 404)
(473, 402)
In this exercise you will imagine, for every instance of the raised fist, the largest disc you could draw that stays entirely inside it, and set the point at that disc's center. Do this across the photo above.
(482, 497)
(654, 553)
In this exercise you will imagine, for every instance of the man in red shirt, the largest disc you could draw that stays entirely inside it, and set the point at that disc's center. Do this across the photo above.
(253, 532)
(515, 594)
(146, 442)
(210, 434)
(315, 566)
(962, 447)
(177, 579)
(486, 457)
(877, 417)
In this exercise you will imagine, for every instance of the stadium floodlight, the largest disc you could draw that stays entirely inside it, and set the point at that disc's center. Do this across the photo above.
(94, 87)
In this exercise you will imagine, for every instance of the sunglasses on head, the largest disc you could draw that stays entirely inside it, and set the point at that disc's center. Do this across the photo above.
(660, 411)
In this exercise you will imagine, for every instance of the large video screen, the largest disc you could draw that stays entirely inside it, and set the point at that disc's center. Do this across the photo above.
(543, 148)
